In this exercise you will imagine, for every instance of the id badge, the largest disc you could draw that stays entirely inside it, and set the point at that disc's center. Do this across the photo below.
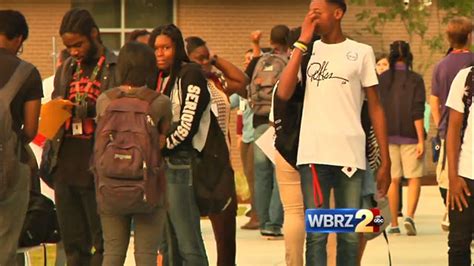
(77, 127)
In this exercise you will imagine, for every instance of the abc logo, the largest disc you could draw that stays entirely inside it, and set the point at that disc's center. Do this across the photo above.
(378, 220)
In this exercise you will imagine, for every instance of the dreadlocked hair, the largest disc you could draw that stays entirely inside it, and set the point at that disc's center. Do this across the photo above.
(78, 21)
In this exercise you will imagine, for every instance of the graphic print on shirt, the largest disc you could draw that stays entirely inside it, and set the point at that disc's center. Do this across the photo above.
(187, 117)
(335, 80)
(319, 72)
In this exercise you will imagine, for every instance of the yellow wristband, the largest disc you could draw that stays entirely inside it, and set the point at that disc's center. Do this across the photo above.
(301, 46)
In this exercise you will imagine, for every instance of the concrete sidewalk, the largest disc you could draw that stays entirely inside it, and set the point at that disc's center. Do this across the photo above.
(429, 247)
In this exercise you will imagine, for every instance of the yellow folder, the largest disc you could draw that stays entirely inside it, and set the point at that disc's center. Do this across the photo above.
(53, 115)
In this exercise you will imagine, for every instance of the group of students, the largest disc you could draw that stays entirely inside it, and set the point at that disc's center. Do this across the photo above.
(327, 82)
(95, 225)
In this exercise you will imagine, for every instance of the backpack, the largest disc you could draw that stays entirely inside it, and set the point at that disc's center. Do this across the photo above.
(288, 115)
(213, 176)
(127, 162)
(467, 100)
(10, 145)
(41, 223)
(265, 75)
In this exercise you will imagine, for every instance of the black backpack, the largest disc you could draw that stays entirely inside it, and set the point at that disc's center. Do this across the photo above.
(41, 223)
(213, 175)
(467, 99)
(288, 114)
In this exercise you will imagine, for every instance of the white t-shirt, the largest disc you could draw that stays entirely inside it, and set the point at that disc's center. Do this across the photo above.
(331, 130)
(48, 87)
(455, 102)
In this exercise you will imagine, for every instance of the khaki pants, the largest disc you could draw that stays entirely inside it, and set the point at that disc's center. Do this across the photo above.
(291, 195)
(442, 174)
(148, 228)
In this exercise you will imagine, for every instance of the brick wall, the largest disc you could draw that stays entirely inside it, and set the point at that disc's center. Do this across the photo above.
(43, 19)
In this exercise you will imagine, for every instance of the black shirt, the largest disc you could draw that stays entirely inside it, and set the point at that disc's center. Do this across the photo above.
(402, 94)
(32, 89)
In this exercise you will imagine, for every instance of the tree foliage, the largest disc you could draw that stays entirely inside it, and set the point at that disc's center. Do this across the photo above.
(415, 17)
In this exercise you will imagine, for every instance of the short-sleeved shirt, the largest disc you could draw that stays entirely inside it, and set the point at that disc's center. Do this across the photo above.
(455, 101)
(331, 129)
(32, 89)
(443, 75)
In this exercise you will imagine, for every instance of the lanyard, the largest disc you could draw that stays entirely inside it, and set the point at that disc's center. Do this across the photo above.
(93, 77)
(317, 194)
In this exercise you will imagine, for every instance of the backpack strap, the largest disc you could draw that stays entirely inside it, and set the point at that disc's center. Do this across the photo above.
(146, 95)
(114, 93)
(467, 100)
(11, 88)
(304, 64)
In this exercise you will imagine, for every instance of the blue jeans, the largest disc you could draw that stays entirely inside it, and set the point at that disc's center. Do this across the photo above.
(267, 196)
(347, 194)
(185, 246)
(461, 231)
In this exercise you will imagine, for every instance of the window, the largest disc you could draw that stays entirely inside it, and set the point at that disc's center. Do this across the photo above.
(117, 18)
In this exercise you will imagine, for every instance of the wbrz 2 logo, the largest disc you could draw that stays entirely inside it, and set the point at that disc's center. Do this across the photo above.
(343, 220)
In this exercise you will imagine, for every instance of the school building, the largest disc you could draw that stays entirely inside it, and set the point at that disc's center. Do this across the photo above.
(224, 24)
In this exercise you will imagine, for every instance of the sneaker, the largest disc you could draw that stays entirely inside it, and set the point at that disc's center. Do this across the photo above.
(271, 235)
(248, 212)
(251, 225)
(410, 226)
(445, 222)
(393, 231)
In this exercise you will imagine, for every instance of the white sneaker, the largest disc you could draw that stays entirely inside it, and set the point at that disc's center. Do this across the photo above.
(409, 224)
